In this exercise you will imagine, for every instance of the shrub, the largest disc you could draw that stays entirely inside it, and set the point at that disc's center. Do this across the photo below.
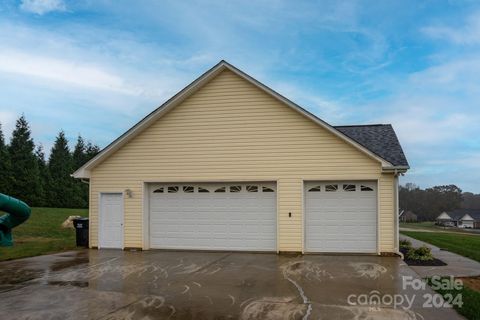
(422, 253)
(405, 244)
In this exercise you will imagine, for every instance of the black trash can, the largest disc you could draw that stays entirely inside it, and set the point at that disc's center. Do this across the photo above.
(81, 229)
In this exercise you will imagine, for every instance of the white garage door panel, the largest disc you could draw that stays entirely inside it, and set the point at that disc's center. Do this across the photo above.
(341, 220)
(244, 220)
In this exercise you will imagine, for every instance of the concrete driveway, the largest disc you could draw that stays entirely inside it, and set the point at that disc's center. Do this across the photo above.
(109, 284)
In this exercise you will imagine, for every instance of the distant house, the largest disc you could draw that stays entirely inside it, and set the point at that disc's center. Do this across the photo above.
(470, 219)
(408, 216)
(462, 218)
(444, 219)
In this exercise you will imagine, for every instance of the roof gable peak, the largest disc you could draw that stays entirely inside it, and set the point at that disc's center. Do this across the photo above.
(84, 171)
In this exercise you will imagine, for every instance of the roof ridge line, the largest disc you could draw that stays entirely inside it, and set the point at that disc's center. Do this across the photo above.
(363, 125)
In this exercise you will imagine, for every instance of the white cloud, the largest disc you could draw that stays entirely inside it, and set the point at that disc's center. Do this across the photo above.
(469, 160)
(64, 71)
(461, 74)
(99, 59)
(42, 6)
(7, 119)
(329, 110)
(420, 126)
(466, 34)
(436, 108)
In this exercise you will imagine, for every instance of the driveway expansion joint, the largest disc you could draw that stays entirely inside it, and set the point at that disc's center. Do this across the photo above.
(213, 262)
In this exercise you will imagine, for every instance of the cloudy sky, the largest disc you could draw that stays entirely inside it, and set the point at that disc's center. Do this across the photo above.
(97, 67)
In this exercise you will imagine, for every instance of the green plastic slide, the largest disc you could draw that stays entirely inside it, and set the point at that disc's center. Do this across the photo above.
(17, 212)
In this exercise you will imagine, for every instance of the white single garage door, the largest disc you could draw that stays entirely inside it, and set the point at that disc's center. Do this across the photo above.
(216, 216)
(341, 217)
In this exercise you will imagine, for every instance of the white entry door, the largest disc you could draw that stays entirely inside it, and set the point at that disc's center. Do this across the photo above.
(213, 216)
(111, 221)
(341, 216)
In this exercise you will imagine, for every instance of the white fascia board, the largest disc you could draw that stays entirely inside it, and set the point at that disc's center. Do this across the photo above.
(395, 169)
(81, 174)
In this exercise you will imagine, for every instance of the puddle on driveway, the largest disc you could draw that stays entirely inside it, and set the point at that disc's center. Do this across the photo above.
(71, 262)
(17, 276)
(80, 284)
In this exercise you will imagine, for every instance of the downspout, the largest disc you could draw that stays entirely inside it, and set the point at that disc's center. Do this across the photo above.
(89, 209)
(396, 211)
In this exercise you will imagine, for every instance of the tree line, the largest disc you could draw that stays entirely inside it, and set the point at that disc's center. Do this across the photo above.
(428, 203)
(26, 174)
(471, 200)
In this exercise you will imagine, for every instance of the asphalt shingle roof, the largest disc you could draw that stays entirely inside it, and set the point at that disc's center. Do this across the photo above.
(459, 213)
(379, 139)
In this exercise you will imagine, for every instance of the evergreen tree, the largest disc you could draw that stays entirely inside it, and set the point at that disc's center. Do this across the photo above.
(80, 196)
(25, 176)
(4, 165)
(60, 166)
(43, 171)
(82, 154)
(91, 151)
(79, 153)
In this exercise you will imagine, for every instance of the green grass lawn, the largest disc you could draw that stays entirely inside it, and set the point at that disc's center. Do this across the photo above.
(431, 226)
(419, 225)
(462, 244)
(471, 301)
(42, 234)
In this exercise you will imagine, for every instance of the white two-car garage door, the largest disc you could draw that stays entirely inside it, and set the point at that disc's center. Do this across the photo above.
(341, 217)
(216, 216)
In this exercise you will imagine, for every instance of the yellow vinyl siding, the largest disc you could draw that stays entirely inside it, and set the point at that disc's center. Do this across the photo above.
(231, 130)
(290, 229)
(386, 212)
